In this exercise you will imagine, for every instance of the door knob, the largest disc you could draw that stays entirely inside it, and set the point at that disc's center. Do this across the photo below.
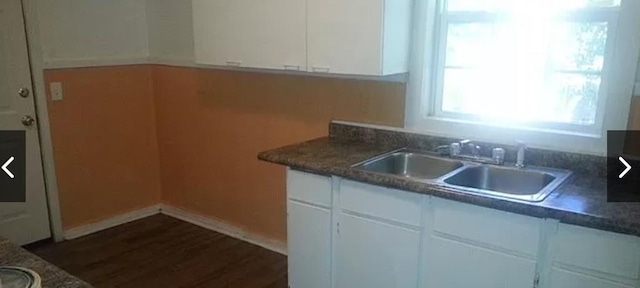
(28, 120)
(23, 92)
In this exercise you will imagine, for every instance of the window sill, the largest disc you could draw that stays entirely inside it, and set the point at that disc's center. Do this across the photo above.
(577, 142)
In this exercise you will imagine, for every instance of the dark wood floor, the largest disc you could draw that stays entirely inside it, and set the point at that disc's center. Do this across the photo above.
(161, 251)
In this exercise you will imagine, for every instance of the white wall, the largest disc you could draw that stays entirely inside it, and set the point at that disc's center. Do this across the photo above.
(637, 90)
(84, 32)
(170, 31)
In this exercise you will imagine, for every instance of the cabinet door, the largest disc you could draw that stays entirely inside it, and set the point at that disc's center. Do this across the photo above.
(566, 279)
(345, 36)
(372, 254)
(260, 34)
(454, 264)
(309, 240)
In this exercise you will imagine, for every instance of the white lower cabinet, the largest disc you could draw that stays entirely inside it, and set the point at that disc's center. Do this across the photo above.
(567, 279)
(309, 238)
(461, 265)
(345, 234)
(373, 254)
(589, 258)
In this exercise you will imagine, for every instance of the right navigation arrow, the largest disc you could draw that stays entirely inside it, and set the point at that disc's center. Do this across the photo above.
(625, 165)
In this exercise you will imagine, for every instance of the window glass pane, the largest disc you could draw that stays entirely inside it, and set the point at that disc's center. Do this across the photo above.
(572, 98)
(524, 70)
(478, 92)
(578, 46)
(514, 5)
(562, 98)
(468, 44)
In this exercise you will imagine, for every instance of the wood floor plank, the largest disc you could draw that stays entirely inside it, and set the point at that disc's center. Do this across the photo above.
(161, 251)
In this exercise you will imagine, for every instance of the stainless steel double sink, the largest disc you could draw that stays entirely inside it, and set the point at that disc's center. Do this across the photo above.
(532, 184)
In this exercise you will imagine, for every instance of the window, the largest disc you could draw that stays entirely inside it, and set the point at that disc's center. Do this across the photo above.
(544, 65)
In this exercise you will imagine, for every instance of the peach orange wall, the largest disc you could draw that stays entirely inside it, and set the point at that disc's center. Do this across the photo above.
(212, 124)
(104, 138)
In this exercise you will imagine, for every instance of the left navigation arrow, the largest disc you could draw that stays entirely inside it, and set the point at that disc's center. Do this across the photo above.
(6, 170)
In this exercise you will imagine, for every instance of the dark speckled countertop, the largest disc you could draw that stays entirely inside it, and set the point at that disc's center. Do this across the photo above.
(52, 276)
(581, 200)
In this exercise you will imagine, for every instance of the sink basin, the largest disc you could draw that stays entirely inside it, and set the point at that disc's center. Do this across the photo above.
(410, 164)
(532, 184)
(528, 184)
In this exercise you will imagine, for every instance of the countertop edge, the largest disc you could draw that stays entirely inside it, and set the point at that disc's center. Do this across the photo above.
(512, 206)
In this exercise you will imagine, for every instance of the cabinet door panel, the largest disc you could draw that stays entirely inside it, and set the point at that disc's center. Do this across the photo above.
(310, 188)
(597, 250)
(258, 34)
(372, 254)
(345, 36)
(309, 241)
(399, 206)
(478, 224)
(566, 279)
(454, 264)
(213, 40)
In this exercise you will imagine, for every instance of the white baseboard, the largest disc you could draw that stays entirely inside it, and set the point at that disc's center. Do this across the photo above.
(184, 215)
(111, 222)
(223, 228)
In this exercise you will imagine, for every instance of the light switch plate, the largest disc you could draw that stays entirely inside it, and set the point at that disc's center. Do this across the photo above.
(56, 91)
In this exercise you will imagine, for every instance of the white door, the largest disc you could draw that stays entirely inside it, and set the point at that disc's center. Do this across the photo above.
(309, 240)
(372, 254)
(20, 222)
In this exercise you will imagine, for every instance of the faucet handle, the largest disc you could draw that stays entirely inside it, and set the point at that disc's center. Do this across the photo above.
(520, 156)
(497, 154)
(475, 151)
(454, 149)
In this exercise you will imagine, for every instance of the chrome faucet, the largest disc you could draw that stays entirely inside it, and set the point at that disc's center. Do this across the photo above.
(520, 157)
(472, 149)
(467, 150)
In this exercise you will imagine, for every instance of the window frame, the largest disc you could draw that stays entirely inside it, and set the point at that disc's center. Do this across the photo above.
(614, 99)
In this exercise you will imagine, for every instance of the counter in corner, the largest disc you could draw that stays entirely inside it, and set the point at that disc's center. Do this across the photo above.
(579, 201)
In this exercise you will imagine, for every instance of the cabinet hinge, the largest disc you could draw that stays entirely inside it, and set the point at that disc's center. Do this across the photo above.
(536, 281)
(338, 227)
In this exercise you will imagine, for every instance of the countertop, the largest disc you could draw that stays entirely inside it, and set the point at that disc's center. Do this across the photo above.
(52, 276)
(581, 200)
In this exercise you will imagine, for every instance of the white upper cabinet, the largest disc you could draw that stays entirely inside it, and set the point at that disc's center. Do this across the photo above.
(357, 37)
(248, 33)
(360, 37)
